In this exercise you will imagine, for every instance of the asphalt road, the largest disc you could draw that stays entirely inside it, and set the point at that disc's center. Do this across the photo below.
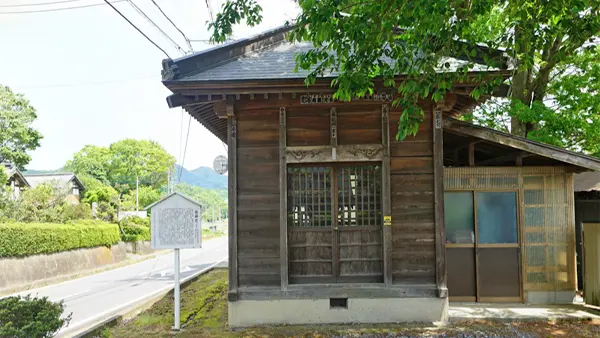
(89, 298)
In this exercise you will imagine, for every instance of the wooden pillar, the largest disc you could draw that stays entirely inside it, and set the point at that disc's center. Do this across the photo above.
(386, 194)
(472, 154)
(232, 200)
(572, 243)
(333, 132)
(283, 243)
(438, 180)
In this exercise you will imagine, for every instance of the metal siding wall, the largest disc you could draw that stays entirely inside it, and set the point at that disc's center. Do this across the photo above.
(546, 215)
(591, 291)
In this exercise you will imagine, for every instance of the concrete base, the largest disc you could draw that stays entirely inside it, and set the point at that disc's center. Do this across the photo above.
(317, 311)
(550, 297)
(517, 312)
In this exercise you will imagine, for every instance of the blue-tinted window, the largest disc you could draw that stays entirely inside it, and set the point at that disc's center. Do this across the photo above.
(497, 217)
(458, 215)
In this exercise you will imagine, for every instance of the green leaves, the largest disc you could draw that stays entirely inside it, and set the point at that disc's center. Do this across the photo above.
(26, 316)
(25, 239)
(122, 162)
(232, 13)
(17, 137)
(414, 38)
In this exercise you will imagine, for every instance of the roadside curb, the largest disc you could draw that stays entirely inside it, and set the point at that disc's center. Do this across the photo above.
(101, 319)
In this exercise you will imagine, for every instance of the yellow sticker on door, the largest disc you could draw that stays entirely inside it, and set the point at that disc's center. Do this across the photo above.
(387, 220)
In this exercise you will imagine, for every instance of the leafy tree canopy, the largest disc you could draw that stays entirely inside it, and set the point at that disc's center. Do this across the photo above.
(212, 200)
(122, 162)
(96, 191)
(146, 196)
(552, 45)
(17, 137)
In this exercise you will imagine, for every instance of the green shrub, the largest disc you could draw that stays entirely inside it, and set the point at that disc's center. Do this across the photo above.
(135, 220)
(24, 239)
(26, 317)
(135, 233)
(134, 229)
(106, 212)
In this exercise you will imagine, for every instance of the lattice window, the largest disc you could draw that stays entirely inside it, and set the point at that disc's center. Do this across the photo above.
(359, 195)
(312, 204)
(309, 196)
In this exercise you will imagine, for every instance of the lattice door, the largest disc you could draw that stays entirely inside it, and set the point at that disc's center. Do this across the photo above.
(335, 224)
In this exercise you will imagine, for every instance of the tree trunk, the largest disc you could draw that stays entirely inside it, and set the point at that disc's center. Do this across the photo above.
(520, 83)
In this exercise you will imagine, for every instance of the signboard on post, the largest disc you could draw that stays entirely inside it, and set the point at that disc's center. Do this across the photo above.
(176, 223)
(220, 165)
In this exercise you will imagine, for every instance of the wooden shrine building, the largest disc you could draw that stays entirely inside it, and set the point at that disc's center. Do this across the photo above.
(333, 220)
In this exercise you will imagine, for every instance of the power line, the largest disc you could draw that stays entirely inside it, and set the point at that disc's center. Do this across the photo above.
(134, 26)
(174, 25)
(58, 9)
(185, 147)
(212, 20)
(155, 25)
(40, 3)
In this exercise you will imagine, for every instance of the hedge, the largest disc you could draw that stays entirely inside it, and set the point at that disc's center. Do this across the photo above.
(24, 239)
(135, 229)
(135, 233)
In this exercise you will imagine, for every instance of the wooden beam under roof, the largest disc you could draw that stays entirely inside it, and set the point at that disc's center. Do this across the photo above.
(516, 142)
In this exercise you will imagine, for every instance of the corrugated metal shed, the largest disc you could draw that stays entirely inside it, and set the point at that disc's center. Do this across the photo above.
(587, 181)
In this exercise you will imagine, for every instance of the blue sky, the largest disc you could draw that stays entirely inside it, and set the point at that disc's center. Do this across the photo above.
(94, 80)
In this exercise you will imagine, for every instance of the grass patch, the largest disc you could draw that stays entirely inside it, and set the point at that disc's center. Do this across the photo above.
(204, 314)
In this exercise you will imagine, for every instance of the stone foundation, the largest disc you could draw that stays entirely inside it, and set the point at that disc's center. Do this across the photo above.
(318, 311)
(550, 297)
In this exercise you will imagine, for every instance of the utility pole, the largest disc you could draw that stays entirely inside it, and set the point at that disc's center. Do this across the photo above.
(137, 193)
(219, 206)
(169, 181)
(212, 220)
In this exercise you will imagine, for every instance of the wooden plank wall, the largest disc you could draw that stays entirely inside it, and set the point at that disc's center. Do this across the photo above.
(413, 213)
(413, 234)
(258, 195)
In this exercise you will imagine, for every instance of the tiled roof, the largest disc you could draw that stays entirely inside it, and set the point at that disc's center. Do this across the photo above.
(277, 62)
(62, 178)
(12, 170)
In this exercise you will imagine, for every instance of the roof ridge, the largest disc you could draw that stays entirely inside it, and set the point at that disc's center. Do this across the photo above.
(49, 174)
(186, 65)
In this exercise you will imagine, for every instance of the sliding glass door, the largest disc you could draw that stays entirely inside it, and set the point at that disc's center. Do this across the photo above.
(482, 246)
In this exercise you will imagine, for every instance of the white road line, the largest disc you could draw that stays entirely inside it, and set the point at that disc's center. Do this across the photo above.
(106, 316)
(70, 296)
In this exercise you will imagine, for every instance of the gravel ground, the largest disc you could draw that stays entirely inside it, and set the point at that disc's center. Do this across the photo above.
(491, 329)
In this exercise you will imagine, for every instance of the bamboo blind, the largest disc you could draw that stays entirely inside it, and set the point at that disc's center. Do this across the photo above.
(546, 218)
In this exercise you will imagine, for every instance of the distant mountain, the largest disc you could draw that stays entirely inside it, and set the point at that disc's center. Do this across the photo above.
(204, 177)
(38, 172)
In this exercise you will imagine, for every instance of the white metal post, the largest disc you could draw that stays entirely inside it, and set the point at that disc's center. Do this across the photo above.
(176, 291)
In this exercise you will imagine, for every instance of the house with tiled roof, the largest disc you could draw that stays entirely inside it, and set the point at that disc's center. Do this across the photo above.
(66, 180)
(16, 180)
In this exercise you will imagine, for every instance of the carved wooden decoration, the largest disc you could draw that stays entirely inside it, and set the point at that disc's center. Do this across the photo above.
(328, 98)
(344, 153)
